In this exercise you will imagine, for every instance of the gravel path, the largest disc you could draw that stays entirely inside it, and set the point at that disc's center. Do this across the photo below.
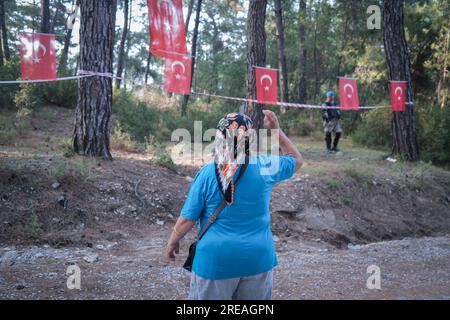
(135, 269)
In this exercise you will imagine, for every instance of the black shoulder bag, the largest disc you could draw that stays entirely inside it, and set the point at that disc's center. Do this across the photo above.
(211, 219)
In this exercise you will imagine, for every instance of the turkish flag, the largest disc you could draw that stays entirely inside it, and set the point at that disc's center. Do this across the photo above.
(348, 93)
(398, 96)
(37, 56)
(177, 75)
(267, 85)
(167, 29)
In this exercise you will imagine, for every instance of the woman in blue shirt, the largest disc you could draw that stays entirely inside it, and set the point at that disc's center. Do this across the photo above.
(235, 257)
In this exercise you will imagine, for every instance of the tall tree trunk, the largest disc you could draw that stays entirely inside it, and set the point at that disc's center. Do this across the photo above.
(302, 91)
(343, 46)
(189, 13)
(185, 100)
(93, 114)
(67, 39)
(147, 69)
(397, 58)
(127, 47)
(316, 59)
(217, 45)
(121, 56)
(284, 89)
(256, 56)
(4, 32)
(55, 16)
(45, 16)
(443, 86)
(1, 56)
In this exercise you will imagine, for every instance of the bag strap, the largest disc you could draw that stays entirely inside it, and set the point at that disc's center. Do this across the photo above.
(212, 218)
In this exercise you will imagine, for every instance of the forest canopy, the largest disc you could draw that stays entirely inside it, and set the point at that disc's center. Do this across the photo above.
(323, 39)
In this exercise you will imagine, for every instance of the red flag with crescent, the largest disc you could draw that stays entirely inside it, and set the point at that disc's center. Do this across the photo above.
(37, 56)
(167, 29)
(177, 75)
(348, 94)
(398, 96)
(266, 85)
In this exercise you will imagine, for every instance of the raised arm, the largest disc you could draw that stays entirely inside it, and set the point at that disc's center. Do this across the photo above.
(286, 145)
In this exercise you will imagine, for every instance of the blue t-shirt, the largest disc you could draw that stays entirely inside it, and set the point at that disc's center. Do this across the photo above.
(240, 242)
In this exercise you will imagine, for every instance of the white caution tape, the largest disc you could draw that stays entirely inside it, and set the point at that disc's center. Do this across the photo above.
(45, 80)
(99, 74)
(81, 74)
(282, 104)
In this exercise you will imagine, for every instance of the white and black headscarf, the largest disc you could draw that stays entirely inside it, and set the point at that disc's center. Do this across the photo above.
(232, 148)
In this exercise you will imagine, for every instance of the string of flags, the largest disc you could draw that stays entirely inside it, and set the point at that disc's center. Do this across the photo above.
(168, 40)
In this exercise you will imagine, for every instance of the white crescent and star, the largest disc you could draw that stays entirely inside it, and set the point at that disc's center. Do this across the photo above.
(266, 76)
(32, 50)
(178, 63)
(349, 95)
(401, 93)
(167, 24)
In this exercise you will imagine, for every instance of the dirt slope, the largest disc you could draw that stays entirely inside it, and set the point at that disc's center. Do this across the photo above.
(121, 212)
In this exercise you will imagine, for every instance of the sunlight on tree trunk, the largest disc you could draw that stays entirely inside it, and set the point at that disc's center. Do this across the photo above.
(93, 114)
(256, 56)
(397, 58)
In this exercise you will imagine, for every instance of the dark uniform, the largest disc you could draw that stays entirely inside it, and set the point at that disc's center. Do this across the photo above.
(332, 123)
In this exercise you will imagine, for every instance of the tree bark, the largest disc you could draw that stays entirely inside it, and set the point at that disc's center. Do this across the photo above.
(1, 56)
(4, 33)
(302, 91)
(284, 88)
(398, 63)
(316, 59)
(256, 56)
(67, 39)
(344, 45)
(127, 47)
(189, 13)
(185, 100)
(45, 16)
(93, 114)
(121, 56)
(147, 69)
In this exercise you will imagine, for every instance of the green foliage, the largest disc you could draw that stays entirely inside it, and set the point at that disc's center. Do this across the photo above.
(164, 160)
(374, 130)
(29, 96)
(361, 173)
(61, 93)
(35, 226)
(151, 122)
(434, 133)
(71, 168)
(9, 71)
(301, 123)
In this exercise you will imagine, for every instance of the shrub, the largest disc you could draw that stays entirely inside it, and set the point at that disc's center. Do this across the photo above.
(148, 122)
(29, 96)
(121, 140)
(433, 133)
(374, 130)
(301, 123)
(164, 160)
(9, 71)
(61, 93)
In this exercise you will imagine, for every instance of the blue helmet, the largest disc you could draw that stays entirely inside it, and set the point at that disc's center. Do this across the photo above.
(330, 94)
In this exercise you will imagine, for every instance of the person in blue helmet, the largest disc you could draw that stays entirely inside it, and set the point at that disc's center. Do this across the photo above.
(332, 123)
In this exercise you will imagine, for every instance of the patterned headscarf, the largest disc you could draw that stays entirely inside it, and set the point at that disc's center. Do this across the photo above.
(232, 147)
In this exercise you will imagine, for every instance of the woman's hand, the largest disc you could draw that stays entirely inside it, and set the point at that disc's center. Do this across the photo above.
(270, 120)
(179, 231)
(172, 249)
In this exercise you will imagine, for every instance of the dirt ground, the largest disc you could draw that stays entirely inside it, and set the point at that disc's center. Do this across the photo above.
(338, 216)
